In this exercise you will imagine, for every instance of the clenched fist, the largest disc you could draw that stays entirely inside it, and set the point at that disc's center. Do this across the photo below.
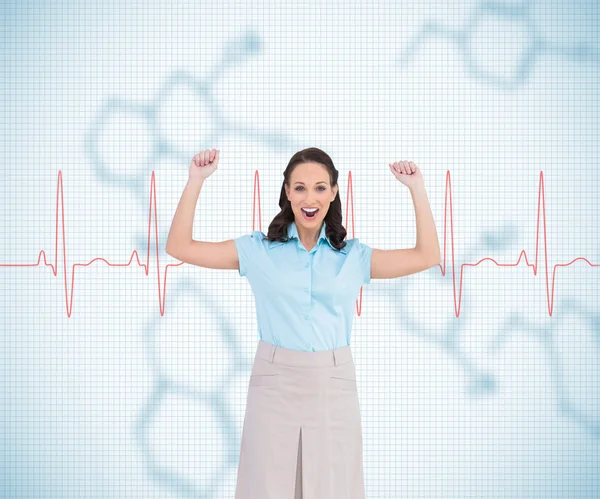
(204, 164)
(408, 173)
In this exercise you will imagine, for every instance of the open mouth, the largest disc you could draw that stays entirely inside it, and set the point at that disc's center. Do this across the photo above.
(309, 215)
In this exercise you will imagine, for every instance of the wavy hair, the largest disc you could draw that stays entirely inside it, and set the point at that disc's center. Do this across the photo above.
(334, 229)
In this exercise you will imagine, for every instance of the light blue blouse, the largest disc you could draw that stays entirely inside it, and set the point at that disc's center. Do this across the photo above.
(305, 300)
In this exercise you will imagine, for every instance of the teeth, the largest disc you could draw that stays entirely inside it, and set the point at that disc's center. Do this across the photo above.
(312, 210)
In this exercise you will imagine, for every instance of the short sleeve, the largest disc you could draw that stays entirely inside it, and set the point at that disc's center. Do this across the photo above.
(364, 257)
(247, 247)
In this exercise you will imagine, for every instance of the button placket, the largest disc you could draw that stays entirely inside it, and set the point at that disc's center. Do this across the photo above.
(307, 288)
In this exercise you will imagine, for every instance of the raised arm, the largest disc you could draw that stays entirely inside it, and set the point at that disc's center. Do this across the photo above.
(182, 226)
(389, 264)
(180, 243)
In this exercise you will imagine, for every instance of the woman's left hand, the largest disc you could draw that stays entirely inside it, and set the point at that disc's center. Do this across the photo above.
(408, 173)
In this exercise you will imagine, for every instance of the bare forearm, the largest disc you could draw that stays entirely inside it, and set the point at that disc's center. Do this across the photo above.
(427, 238)
(183, 221)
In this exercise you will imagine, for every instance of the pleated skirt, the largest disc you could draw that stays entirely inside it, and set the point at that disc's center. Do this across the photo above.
(302, 434)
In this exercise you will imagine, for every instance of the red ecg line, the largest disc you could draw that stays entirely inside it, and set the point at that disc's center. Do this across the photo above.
(541, 210)
(152, 220)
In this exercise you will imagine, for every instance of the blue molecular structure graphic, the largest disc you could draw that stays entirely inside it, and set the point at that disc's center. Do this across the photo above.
(161, 148)
(520, 41)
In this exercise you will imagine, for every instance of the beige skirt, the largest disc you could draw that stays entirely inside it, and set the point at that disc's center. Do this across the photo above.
(302, 435)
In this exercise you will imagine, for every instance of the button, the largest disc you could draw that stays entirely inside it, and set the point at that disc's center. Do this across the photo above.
(306, 289)
(306, 317)
(307, 265)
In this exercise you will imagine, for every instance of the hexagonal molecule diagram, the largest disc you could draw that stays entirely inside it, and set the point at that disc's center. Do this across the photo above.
(510, 32)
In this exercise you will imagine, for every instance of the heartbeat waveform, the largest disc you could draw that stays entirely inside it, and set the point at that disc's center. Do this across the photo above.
(152, 218)
(541, 210)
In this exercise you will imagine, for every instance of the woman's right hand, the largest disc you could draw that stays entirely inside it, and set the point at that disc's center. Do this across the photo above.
(204, 164)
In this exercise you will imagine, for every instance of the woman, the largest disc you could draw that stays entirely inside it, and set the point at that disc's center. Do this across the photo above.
(302, 435)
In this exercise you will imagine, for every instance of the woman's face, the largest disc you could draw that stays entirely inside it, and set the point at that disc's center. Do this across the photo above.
(310, 188)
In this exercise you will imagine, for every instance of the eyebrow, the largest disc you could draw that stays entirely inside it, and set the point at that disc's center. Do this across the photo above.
(321, 182)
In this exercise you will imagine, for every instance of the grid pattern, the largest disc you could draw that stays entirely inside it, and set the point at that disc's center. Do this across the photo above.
(123, 374)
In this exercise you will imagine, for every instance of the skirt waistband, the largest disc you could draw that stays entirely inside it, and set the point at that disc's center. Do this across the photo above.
(299, 358)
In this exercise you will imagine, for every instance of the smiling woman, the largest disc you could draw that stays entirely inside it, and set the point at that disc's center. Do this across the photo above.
(305, 277)
(310, 183)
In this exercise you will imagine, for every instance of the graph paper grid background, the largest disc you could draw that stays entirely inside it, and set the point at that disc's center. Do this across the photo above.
(123, 374)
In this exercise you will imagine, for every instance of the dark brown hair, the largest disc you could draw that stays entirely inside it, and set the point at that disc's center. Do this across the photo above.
(335, 231)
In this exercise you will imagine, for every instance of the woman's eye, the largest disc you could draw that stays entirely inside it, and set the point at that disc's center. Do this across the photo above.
(300, 187)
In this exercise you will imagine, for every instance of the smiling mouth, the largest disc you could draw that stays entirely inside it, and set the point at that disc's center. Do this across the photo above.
(308, 215)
